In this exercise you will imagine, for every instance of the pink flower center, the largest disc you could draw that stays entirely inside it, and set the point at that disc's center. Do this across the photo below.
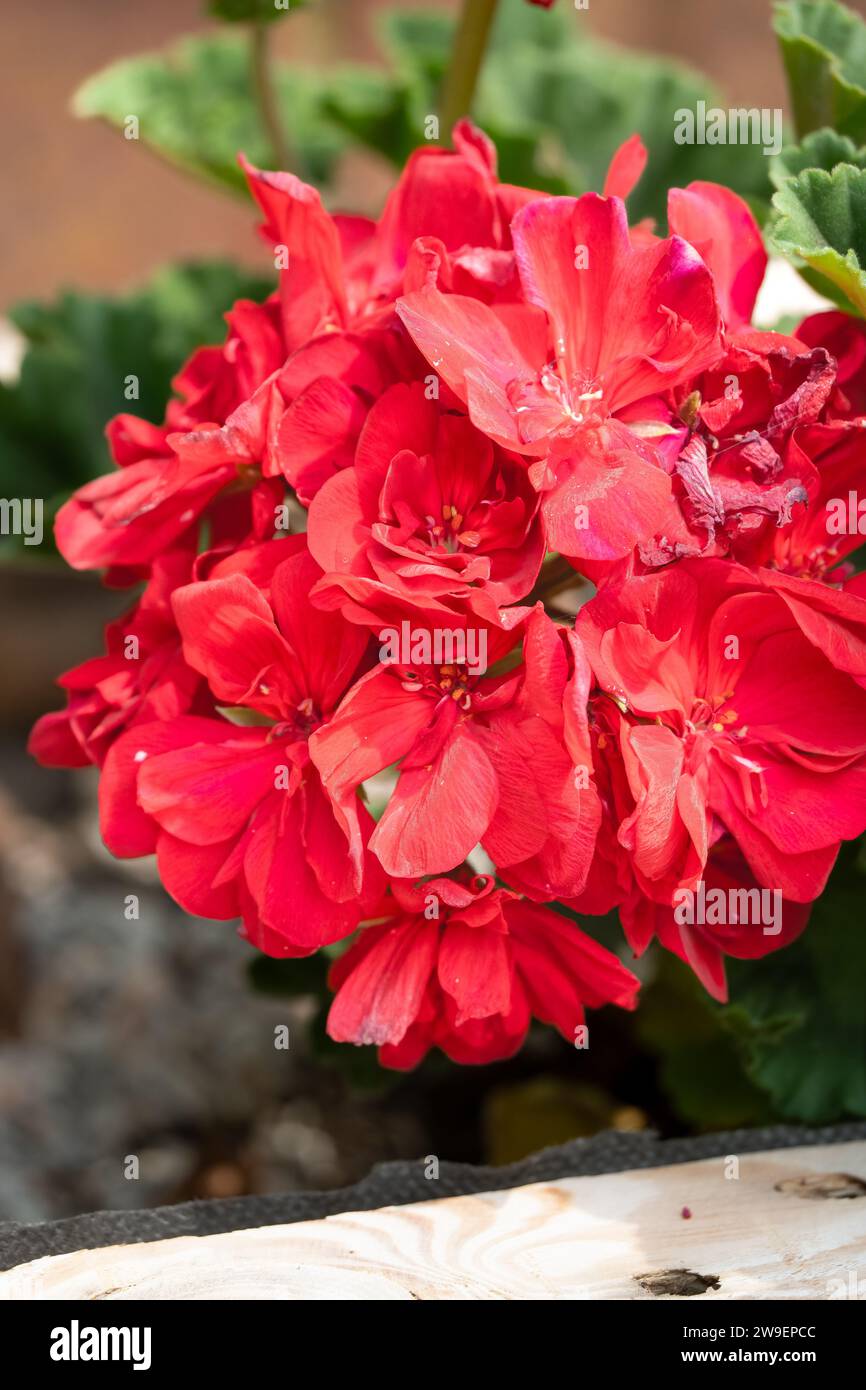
(552, 405)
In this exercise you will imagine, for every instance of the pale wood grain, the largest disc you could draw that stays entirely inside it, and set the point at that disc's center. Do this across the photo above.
(581, 1238)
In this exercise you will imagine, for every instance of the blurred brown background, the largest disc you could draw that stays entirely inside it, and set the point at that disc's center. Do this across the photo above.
(86, 208)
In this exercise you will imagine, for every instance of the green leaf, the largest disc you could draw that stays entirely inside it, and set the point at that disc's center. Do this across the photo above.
(80, 351)
(386, 109)
(823, 149)
(819, 223)
(798, 1015)
(195, 108)
(701, 1071)
(823, 48)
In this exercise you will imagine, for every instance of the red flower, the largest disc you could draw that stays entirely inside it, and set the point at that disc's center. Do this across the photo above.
(237, 816)
(825, 449)
(574, 385)
(832, 525)
(320, 401)
(708, 674)
(431, 510)
(702, 933)
(502, 759)
(448, 215)
(844, 337)
(484, 375)
(464, 967)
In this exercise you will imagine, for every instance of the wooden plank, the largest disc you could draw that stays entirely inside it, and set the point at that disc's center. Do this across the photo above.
(791, 1225)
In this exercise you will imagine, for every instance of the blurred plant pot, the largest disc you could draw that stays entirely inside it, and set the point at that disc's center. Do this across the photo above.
(52, 619)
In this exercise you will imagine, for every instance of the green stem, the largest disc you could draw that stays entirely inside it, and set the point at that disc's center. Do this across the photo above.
(266, 97)
(467, 54)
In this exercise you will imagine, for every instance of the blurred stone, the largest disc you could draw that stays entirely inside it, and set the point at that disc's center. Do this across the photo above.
(143, 1039)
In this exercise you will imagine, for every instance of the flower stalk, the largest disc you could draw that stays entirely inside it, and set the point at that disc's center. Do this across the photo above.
(262, 77)
(467, 55)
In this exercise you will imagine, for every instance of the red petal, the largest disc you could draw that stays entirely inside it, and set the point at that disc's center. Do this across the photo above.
(203, 794)
(626, 167)
(439, 812)
(473, 352)
(188, 873)
(287, 892)
(381, 995)
(230, 636)
(475, 969)
(126, 829)
(609, 498)
(311, 287)
(721, 228)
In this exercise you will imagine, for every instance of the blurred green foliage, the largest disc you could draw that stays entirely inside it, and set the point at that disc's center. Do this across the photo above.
(799, 1017)
(702, 1071)
(80, 350)
(196, 108)
(556, 101)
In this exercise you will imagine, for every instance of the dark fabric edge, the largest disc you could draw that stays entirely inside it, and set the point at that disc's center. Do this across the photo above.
(395, 1184)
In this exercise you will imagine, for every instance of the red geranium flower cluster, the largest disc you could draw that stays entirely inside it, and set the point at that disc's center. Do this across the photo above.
(340, 706)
